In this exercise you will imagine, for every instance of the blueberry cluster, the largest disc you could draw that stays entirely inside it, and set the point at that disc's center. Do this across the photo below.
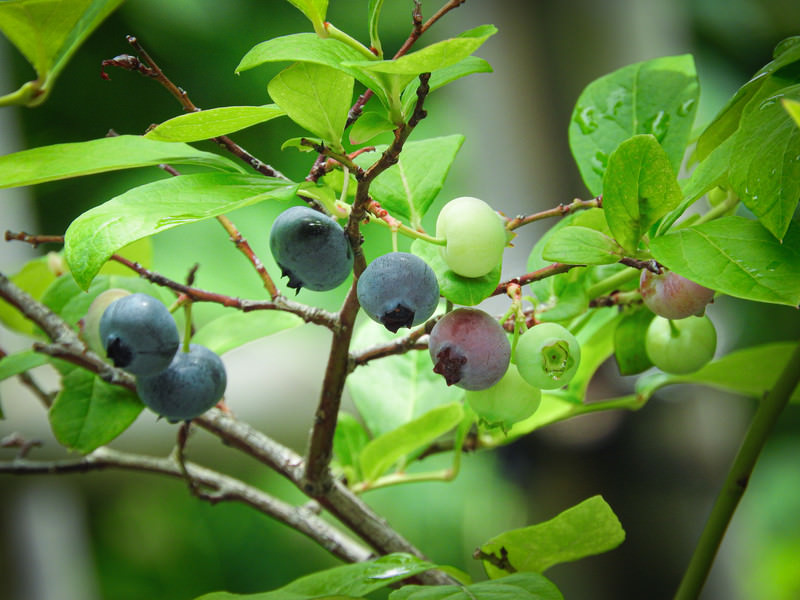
(139, 335)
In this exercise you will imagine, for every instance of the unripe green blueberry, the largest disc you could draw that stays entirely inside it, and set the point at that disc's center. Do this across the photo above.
(509, 401)
(681, 346)
(673, 296)
(474, 234)
(547, 356)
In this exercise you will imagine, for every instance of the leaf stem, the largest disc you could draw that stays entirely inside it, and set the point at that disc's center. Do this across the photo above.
(767, 413)
(559, 211)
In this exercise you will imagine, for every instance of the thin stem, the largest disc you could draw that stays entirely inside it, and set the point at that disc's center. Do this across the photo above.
(612, 283)
(559, 211)
(537, 275)
(766, 415)
(244, 247)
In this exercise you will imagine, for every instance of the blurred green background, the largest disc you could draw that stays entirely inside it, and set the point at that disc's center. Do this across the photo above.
(126, 536)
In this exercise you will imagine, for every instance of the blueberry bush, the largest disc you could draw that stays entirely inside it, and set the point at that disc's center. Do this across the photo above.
(676, 213)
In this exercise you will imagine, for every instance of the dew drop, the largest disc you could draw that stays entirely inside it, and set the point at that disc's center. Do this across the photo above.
(686, 107)
(586, 118)
(658, 125)
(599, 162)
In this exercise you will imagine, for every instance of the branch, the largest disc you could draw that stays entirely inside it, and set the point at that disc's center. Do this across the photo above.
(767, 413)
(398, 346)
(559, 211)
(309, 314)
(537, 275)
(226, 488)
(149, 68)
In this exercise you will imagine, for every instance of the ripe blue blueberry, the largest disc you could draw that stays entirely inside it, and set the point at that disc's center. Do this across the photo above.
(398, 290)
(194, 382)
(311, 249)
(139, 334)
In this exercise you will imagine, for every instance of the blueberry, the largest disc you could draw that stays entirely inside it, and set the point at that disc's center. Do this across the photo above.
(311, 249)
(139, 334)
(469, 349)
(194, 382)
(398, 290)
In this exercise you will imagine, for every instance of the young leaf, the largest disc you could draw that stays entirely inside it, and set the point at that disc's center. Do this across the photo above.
(349, 440)
(466, 291)
(793, 108)
(588, 528)
(349, 580)
(440, 78)
(370, 124)
(315, 97)
(314, 10)
(431, 58)
(47, 33)
(62, 161)
(397, 389)
(310, 48)
(519, 586)
(14, 364)
(408, 188)
(657, 97)
(375, 7)
(207, 124)
(237, 328)
(33, 278)
(95, 235)
(629, 350)
(765, 162)
(771, 78)
(750, 371)
(385, 450)
(639, 187)
(581, 246)
(88, 412)
(735, 256)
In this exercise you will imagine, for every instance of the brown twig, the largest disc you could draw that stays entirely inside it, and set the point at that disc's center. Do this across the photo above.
(398, 346)
(149, 68)
(539, 274)
(559, 211)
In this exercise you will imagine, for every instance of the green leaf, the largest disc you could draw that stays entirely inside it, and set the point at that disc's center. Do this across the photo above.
(349, 580)
(750, 371)
(629, 349)
(581, 246)
(314, 10)
(519, 586)
(47, 33)
(369, 125)
(639, 187)
(793, 108)
(735, 256)
(657, 97)
(395, 390)
(710, 173)
(236, 329)
(780, 72)
(431, 58)
(310, 48)
(394, 75)
(466, 291)
(316, 97)
(14, 364)
(408, 188)
(440, 78)
(148, 209)
(349, 440)
(33, 278)
(588, 528)
(207, 124)
(375, 7)
(62, 161)
(88, 412)
(765, 162)
(385, 450)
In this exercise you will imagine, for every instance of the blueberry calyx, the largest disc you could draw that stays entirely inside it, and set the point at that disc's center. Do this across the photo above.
(399, 316)
(448, 364)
